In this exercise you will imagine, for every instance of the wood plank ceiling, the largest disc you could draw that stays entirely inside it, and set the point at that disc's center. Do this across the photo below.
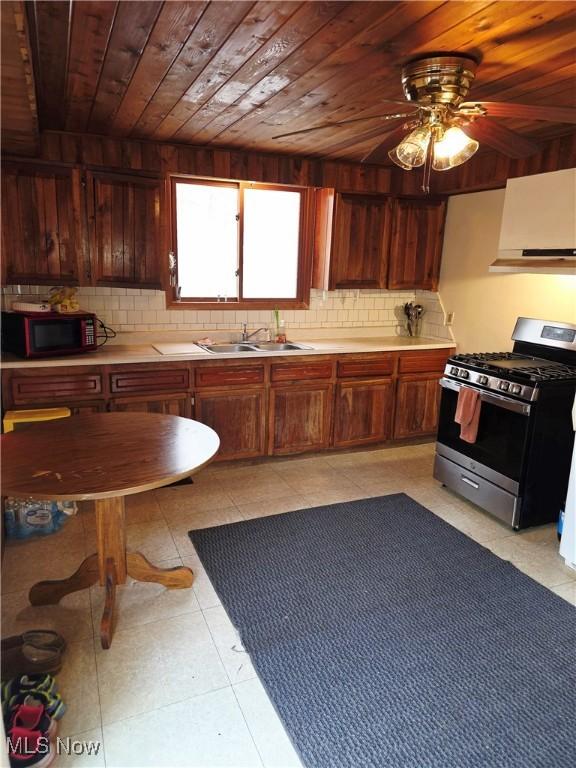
(235, 74)
(19, 115)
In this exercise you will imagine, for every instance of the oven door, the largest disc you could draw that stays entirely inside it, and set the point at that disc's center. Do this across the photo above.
(503, 432)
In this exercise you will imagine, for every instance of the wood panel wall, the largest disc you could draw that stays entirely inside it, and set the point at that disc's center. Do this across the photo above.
(487, 170)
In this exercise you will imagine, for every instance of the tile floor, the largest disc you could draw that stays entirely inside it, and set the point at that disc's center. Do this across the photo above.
(176, 688)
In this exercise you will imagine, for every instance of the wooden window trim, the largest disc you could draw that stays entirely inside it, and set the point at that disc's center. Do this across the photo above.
(304, 278)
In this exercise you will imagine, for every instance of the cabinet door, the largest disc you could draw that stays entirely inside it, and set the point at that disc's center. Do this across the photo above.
(41, 238)
(124, 217)
(237, 417)
(360, 242)
(300, 418)
(363, 412)
(417, 404)
(416, 243)
(170, 405)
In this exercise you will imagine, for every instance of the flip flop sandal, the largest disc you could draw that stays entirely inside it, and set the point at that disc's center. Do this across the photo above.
(41, 638)
(30, 749)
(33, 717)
(53, 704)
(30, 660)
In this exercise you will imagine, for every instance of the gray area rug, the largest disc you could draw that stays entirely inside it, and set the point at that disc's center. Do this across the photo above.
(388, 639)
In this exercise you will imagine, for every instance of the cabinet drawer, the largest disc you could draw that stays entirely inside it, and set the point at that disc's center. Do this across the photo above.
(30, 389)
(425, 360)
(300, 371)
(166, 380)
(217, 376)
(383, 365)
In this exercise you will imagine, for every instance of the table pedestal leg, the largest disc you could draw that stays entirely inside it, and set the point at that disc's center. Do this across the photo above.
(109, 567)
(141, 570)
(51, 592)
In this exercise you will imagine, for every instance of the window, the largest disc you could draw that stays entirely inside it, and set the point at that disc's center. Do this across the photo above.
(241, 243)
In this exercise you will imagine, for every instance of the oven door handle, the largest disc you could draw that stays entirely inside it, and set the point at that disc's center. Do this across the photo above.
(489, 397)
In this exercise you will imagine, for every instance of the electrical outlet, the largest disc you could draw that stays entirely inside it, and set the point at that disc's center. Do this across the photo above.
(449, 318)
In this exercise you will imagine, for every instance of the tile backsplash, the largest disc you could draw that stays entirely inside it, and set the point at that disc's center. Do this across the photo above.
(129, 310)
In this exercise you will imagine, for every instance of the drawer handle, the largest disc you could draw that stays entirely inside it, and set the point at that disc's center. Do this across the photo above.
(469, 482)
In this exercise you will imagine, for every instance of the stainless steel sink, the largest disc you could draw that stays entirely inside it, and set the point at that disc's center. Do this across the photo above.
(270, 346)
(265, 346)
(228, 347)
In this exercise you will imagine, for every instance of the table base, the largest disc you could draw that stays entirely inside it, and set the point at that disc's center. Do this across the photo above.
(110, 566)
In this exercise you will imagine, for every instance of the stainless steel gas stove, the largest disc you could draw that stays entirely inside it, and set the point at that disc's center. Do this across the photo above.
(519, 464)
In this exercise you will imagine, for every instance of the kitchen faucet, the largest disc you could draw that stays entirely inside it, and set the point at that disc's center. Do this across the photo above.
(246, 335)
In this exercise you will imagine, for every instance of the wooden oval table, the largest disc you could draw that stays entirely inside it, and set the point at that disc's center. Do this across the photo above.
(105, 457)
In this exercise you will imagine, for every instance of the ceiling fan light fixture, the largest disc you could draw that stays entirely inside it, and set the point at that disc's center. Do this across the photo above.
(453, 149)
(393, 155)
(411, 152)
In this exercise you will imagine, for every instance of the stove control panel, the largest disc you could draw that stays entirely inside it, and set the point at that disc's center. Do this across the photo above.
(493, 383)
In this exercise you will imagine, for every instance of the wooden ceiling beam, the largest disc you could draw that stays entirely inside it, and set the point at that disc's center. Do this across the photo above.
(49, 25)
(20, 132)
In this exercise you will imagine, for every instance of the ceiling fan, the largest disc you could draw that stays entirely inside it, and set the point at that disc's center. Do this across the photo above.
(443, 130)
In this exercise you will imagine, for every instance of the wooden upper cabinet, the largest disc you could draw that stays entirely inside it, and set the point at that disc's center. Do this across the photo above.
(416, 243)
(124, 223)
(352, 235)
(41, 230)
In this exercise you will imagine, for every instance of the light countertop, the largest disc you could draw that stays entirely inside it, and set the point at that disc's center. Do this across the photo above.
(120, 353)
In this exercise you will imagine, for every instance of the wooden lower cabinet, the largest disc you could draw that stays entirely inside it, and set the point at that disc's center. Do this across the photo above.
(417, 405)
(300, 418)
(363, 412)
(171, 405)
(238, 418)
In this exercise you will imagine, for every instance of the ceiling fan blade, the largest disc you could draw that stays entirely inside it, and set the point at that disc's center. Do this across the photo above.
(374, 133)
(525, 111)
(337, 124)
(380, 152)
(500, 138)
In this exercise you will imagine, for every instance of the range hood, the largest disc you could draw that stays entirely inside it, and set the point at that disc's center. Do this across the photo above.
(538, 232)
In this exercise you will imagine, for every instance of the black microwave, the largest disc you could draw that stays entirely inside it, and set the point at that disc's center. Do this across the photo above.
(29, 334)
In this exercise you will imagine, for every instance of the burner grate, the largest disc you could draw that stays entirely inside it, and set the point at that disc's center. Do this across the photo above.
(539, 371)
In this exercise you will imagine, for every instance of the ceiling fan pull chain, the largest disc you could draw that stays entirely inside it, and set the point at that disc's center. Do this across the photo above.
(428, 164)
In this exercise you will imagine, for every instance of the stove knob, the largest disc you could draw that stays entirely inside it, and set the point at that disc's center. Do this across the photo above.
(515, 389)
(464, 374)
(482, 380)
(454, 371)
(504, 385)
